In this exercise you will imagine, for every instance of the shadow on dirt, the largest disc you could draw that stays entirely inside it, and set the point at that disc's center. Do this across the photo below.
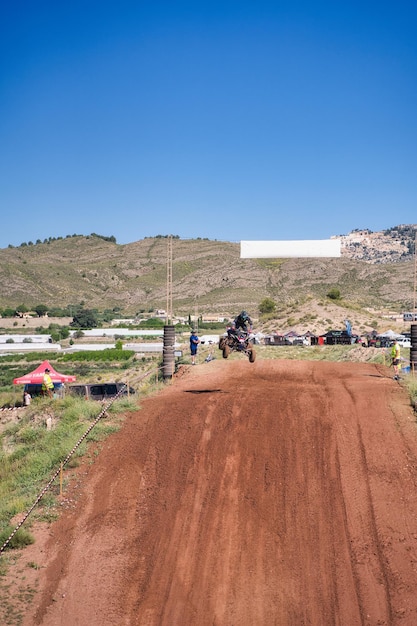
(205, 391)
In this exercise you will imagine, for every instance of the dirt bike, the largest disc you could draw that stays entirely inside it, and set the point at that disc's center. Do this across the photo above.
(238, 341)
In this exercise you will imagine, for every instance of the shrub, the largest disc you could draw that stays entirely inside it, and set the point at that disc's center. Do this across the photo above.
(22, 537)
(334, 294)
(267, 305)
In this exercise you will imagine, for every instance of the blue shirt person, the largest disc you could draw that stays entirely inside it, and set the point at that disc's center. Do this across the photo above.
(194, 341)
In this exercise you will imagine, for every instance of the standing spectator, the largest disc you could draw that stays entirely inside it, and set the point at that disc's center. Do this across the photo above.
(396, 358)
(194, 341)
(27, 398)
(47, 384)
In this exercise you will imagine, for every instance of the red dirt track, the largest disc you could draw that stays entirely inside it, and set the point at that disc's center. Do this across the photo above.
(275, 493)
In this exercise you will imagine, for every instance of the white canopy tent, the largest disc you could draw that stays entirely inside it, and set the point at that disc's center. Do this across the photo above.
(390, 334)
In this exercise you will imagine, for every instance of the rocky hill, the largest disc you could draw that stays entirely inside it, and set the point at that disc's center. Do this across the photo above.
(206, 275)
(388, 246)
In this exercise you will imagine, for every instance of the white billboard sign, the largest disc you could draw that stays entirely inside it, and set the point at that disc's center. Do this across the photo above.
(290, 249)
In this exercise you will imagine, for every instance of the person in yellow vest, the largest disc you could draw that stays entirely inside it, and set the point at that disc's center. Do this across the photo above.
(47, 384)
(396, 358)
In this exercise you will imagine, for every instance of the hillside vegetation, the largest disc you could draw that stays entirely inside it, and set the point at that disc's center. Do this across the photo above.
(207, 275)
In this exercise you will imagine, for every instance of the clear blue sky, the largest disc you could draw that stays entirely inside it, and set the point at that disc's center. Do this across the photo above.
(229, 119)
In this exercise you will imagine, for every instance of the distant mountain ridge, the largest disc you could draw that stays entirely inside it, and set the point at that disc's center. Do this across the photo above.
(376, 270)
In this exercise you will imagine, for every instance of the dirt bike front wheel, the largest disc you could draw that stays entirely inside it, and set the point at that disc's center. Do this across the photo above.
(252, 356)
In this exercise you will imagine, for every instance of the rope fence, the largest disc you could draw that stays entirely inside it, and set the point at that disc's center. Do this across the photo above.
(210, 356)
(69, 455)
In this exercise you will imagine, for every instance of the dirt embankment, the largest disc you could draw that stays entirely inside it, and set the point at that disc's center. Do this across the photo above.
(278, 492)
(19, 323)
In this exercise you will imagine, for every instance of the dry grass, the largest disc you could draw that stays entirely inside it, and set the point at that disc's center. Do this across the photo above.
(207, 275)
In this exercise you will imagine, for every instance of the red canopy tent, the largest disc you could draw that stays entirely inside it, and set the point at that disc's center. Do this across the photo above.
(36, 377)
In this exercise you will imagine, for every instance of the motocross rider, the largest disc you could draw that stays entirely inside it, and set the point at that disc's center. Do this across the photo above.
(243, 323)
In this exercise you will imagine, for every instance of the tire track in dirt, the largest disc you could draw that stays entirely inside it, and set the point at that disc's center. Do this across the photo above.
(273, 493)
(361, 530)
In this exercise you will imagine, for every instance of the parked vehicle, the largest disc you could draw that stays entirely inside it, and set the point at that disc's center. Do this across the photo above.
(36, 390)
(410, 317)
(276, 340)
(339, 337)
(300, 341)
(404, 342)
(103, 391)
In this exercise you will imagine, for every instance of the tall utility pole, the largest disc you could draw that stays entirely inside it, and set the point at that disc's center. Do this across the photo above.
(195, 325)
(169, 313)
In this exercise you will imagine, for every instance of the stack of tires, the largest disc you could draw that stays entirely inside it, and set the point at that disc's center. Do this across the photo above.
(413, 350)
(168, 360)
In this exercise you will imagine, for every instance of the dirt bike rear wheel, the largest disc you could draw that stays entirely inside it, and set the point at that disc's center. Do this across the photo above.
(252, 356)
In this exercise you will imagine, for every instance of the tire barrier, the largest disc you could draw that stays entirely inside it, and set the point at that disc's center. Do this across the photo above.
(168, 351)
(413, 349)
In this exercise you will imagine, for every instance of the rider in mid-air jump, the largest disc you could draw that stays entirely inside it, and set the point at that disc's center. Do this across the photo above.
(243, 323)
(239, 337)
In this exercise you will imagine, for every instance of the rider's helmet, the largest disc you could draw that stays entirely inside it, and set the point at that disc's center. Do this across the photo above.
(244, 315)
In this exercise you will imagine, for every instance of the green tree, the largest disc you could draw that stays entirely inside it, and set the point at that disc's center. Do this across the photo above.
(41, 310)
(152, 322)
(108, 315)
(58, 332)
(267, 306)
(85, 318)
